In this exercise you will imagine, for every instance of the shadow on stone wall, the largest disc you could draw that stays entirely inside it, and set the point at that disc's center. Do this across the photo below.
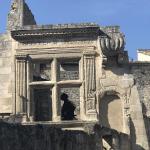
(43, 137)
(147, 125)
(108, 116)
(134, 146)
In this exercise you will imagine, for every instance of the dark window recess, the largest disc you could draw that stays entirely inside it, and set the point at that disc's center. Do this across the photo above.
(42, 71)
(73, 95)
(43, 104)
(69, 70)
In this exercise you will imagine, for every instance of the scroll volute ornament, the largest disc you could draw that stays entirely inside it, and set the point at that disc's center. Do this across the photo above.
(112, 43)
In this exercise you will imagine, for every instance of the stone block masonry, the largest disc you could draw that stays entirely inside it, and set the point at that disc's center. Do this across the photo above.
(5, 75)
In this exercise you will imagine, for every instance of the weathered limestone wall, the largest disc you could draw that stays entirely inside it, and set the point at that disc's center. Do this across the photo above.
(53, 137)
(108, 114)
(5, 75)
(19, 15)
(112, 85)
(137, 126)
(141, 72)
(117, 81)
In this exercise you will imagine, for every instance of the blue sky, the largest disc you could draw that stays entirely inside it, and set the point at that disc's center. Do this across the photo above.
(133, 16)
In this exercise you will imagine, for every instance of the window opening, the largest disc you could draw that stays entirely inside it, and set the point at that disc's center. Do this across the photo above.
(43, 104)
(69, 70)
(41, 71)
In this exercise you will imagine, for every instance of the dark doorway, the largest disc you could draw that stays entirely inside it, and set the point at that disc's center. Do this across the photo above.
(43, 104)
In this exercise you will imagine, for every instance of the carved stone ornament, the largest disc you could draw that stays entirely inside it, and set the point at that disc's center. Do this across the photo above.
(90, 85)
(112, 42)
(13, 16)
(14, 6)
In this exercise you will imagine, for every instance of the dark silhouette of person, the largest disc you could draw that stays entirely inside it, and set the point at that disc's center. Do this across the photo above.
(68, 108)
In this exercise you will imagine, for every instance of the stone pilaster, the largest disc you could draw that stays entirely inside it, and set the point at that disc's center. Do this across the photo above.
(90, 85)
(126, 112)
(21, 84)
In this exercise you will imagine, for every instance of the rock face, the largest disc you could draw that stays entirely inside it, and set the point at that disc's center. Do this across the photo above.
(86, 62)
(5, 75)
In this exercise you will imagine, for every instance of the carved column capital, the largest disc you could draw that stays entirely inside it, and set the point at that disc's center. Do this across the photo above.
(21, 57)
(88, 54)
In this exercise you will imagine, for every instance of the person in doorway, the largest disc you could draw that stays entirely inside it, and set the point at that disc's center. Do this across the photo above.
(68, 108)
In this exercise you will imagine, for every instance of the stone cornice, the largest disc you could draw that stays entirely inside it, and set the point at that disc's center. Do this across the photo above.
(56, 31)
(140, 63)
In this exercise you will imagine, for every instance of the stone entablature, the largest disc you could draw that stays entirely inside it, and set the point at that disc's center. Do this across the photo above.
(56, 31)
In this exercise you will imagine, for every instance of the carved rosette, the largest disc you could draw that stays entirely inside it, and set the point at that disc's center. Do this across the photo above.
(21, 86)
(90, 84)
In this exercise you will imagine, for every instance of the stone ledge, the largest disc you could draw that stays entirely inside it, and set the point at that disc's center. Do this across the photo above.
(55, 31)
(57, 26)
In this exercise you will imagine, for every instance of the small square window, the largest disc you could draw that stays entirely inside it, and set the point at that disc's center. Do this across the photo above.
(41, 71)
(69, 70)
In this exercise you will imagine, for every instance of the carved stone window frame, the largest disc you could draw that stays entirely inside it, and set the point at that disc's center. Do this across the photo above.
(86, 114)
(54, 83)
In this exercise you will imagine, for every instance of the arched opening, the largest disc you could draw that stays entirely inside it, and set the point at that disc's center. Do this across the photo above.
(110, 112)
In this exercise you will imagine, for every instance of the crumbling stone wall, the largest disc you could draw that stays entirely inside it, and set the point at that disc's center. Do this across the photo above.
(141, 72)
(42, 137)
(19, 15)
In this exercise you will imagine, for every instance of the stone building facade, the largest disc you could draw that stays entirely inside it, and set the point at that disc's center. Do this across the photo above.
(143, 55)
(89, 64)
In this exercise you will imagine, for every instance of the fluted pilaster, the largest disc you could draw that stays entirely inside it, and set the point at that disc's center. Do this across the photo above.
(21, 84)
(90, 84)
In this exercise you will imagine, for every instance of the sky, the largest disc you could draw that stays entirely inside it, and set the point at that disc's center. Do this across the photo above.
(133, 16)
